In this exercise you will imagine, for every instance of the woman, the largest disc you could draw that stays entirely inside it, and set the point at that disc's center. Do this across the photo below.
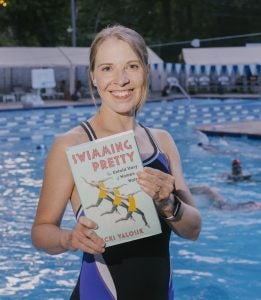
(135, 270)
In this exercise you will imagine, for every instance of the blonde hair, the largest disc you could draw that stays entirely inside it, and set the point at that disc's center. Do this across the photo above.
(137, 44)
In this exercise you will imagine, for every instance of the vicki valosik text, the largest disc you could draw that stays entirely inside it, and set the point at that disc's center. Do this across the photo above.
(106, 156)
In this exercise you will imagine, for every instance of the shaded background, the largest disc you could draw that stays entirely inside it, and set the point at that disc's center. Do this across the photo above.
(48, 23)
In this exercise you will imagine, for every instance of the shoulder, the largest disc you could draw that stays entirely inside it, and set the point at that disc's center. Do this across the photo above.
(161, 134)
(168, 147)
(74, 136)
(164, 140)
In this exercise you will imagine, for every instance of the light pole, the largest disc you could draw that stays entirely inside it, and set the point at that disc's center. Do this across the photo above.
(73, 22)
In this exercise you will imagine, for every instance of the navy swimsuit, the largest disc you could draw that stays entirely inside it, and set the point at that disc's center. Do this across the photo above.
(137, 270)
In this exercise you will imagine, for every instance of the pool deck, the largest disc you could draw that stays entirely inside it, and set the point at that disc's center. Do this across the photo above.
(251, 129)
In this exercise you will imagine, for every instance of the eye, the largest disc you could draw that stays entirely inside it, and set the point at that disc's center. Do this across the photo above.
(106, 68)
(133, 66)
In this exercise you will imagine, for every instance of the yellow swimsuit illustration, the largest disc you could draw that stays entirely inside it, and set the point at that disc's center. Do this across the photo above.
(132, 208)
(116, 200)
(102, 191)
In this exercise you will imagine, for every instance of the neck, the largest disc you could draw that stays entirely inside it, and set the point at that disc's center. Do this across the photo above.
(114, 123)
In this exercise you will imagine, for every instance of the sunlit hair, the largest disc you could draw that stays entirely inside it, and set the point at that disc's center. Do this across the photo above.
(137, 44)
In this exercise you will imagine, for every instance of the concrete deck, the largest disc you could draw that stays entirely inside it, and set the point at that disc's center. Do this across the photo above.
(251, 129)
(47, 104)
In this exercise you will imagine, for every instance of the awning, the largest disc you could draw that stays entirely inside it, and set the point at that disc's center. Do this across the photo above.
(222, 56)
(43, 57)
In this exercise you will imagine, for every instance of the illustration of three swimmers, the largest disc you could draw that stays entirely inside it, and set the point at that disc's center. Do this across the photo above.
(114, 195)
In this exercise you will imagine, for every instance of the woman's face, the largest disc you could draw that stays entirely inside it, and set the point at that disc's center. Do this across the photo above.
(118, 76)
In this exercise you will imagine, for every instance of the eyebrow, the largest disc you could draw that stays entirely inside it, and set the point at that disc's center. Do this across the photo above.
(104, 64)
(110, 64)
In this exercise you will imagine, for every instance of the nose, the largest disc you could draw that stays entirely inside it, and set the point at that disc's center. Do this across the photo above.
(121, 78)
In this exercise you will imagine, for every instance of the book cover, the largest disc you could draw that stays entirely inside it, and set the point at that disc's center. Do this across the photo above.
(104, 171)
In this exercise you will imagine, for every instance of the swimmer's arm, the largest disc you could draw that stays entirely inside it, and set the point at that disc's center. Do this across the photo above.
(108, 190)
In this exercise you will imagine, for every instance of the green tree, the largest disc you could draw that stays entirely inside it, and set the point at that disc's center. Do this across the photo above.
(37, 23)
(45, 23)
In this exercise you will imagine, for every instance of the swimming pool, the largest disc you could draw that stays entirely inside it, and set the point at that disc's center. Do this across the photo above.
(223, 264)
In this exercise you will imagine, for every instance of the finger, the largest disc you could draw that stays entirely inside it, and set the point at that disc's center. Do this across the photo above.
(155, 172)
(87, 222)
(160, 175)
(150, 178)
(151, 188)
(165, 181)
(155, 194)
(86, 227)
(94, 240)
(156, 188)
(156, 177)
(90, 247)
(87, 240)
(152, 183)
(91, 235)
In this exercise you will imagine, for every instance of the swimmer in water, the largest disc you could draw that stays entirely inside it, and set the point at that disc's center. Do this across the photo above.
(220, 202)
(237, 172)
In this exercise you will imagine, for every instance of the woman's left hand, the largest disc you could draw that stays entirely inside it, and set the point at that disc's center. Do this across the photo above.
(157, 184)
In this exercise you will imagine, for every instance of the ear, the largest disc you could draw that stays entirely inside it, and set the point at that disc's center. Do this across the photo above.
(93, 80)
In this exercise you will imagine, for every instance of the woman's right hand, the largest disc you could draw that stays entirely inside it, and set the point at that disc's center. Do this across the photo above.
(84, 237)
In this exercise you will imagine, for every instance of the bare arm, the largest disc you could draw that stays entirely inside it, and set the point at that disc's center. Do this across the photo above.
(188, 223)
(56, 191)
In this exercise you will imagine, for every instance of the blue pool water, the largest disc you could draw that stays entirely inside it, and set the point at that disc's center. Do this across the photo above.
(223, 264)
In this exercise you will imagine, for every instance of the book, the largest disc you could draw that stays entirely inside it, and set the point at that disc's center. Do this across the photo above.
(104, 171)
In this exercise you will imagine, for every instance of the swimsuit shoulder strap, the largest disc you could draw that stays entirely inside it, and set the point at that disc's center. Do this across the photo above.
(79, 212)
(151, 138)
(92, 136)
(89, 130)
(158, 153)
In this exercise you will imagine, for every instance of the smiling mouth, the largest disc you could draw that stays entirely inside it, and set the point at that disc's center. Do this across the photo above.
(122, 94)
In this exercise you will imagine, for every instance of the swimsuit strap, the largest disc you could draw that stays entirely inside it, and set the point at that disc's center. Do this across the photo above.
(151, 138)
(92, 136)
(79, 212)
(89, 130)
(158, 154)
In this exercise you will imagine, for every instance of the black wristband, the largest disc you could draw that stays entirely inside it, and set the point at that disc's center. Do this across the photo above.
(177, 205)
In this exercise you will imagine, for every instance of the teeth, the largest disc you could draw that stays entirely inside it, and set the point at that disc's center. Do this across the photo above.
(120, 93)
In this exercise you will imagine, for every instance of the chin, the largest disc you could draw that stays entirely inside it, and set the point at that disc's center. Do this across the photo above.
(126, 108)
(125, 112)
